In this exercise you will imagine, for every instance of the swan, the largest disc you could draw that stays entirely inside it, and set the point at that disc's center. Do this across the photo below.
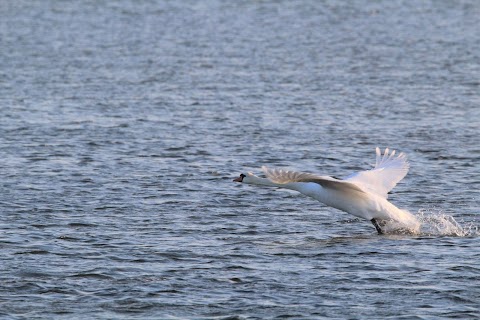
(363, 194)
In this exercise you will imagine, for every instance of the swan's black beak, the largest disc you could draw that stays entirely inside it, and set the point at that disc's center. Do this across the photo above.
(240, 179)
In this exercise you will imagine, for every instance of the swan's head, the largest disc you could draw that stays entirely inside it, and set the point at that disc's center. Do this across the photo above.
(240, 179)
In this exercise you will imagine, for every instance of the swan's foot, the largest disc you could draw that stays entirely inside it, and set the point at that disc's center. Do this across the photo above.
(375, 224)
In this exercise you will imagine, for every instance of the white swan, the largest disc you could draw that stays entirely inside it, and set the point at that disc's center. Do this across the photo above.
(363, 194)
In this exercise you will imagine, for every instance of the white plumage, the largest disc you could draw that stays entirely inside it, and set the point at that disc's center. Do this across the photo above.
(388, 171)
(363, 194)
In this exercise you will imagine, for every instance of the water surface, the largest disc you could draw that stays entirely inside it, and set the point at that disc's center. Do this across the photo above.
(122, 125)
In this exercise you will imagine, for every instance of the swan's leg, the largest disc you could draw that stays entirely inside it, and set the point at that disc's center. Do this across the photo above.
(375, 224)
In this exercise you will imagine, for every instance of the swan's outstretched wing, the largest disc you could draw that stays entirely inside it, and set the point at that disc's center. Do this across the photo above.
(388, 171)
(285, 176)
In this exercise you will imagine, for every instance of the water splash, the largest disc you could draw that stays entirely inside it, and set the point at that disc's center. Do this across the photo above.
(432, 222)
(437, 223)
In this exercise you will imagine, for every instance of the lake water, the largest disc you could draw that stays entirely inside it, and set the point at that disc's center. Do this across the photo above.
(123, 123)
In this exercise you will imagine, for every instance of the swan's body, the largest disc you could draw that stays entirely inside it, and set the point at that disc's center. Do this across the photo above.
(363, 194)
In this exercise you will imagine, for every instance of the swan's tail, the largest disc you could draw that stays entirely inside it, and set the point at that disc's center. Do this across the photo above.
(404, 222)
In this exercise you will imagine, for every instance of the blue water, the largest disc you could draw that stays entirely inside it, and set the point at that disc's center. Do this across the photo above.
(122, 125)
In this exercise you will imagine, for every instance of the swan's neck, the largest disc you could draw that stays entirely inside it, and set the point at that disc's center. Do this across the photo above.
(251, 179)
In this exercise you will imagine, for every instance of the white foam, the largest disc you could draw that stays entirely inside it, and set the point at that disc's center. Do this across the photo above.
(432, 222)
(436, 223)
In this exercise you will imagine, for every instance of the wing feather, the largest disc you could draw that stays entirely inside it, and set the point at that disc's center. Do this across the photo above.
(388, 171)
(286, 176)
